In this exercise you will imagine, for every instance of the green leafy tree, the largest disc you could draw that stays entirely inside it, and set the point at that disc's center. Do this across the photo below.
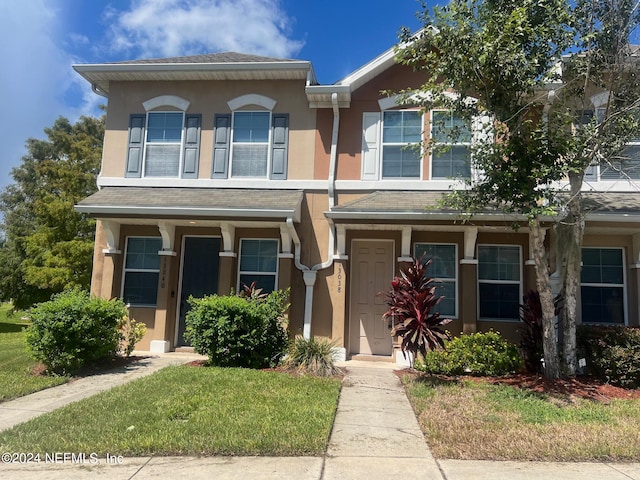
(48, 246)
(530, 71)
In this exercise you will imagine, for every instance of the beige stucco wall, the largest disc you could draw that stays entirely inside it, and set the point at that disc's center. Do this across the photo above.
(209, 98)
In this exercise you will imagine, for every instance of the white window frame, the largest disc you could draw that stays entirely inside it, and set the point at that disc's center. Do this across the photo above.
(500, 282)
(453, 280)
(407, 145)
(148, 143)
(257, 273)
(616, 285)
(451, 144)
(268, 143)
(126, 270)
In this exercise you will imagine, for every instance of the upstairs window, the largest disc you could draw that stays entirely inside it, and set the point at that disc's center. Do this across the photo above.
(401, 133)
(626, 166)
(163, 144)
(250, 146)
(451, 141)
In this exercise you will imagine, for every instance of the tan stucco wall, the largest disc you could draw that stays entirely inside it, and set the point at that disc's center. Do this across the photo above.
(208, 99)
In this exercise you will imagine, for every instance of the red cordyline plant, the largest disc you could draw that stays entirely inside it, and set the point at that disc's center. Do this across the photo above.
(411, 301)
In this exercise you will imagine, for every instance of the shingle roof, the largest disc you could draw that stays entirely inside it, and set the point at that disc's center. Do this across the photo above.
(391, 204)
(187, 202)
(223, 57)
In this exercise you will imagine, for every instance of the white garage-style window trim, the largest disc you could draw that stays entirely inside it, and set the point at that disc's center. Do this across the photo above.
(164, 141)
(602, 285)
(141, 271)
(499, 282)
(258, 263)
(444, 270)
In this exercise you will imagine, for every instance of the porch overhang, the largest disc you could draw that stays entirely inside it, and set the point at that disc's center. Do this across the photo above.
(192, 203)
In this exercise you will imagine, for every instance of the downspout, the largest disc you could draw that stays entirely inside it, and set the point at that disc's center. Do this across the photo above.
(309, 274)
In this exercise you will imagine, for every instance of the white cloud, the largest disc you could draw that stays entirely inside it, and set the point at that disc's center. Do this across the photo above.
(153, 28)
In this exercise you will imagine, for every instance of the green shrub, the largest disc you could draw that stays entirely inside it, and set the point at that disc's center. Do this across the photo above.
(475, 354)
(312, 356)
(236, 331)
(612, 353)
(74, 329)
(131, 332)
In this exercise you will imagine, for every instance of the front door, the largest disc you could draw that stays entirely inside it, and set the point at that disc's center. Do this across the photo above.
(371, 274)
(200, 260)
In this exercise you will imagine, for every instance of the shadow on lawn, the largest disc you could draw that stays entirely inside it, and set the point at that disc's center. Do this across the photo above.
(12, 327)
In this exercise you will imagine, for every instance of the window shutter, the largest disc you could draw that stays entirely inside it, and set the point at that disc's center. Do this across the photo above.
(191, 154)
(222, 136)
(370, 146)
(279, 146)
(136, 145)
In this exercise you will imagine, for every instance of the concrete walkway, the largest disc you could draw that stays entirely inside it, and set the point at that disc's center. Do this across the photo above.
(375, 436)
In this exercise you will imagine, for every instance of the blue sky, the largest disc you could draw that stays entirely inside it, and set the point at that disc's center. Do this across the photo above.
(41, 39)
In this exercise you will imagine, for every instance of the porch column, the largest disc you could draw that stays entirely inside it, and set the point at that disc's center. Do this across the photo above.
(105, 259)
(530, 278)
(226, 277)
(339, 321)
(162, 342)
(634, 283)
(469, 283)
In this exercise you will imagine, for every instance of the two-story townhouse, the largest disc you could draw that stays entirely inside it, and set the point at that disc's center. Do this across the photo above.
(221, 170)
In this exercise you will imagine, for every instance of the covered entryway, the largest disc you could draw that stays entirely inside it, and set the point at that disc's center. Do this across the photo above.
(200, 265)
(371, 272)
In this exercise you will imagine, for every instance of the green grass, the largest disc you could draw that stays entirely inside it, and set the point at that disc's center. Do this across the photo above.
(189, 410)
(464, 419)
(16, 364)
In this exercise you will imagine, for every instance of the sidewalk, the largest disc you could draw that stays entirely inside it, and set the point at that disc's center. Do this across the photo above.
(375, 436)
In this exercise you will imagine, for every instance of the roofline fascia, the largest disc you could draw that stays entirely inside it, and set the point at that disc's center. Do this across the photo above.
(179, 67)
(114, 210)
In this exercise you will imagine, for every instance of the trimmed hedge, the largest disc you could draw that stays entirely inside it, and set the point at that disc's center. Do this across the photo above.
(74, 329)
(475, 354)
(239, 331)
(612, 353)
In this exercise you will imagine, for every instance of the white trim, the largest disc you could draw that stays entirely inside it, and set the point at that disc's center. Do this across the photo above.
(248, 182)
(252, 99)
(500, 282)
(147, 143)
(625, 306)
(264, 274)
(125, 270)
(166, 101)
(454, 280)
(268, 143)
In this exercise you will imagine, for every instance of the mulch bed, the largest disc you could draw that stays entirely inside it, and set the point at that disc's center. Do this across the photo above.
(578, 387)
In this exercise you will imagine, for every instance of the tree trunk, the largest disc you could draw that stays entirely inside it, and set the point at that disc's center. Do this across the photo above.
(551, 359)
(570, 237)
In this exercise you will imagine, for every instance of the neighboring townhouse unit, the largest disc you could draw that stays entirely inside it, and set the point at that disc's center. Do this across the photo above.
(225, 169)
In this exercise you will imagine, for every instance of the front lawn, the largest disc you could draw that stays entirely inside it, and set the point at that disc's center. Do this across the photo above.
(16, 364)
(464, 419)
(188, 410)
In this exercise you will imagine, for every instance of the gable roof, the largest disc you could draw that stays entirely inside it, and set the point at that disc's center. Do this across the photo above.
(213, 66)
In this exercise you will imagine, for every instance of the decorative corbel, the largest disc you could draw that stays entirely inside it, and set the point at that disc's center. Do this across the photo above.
(228, 238)
(168, 234)
(285, 242)
(341, 243)
(406, 245)
(470, 237)
(112, 232)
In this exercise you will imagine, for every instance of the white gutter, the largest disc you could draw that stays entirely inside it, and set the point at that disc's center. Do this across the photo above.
(309, 274)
